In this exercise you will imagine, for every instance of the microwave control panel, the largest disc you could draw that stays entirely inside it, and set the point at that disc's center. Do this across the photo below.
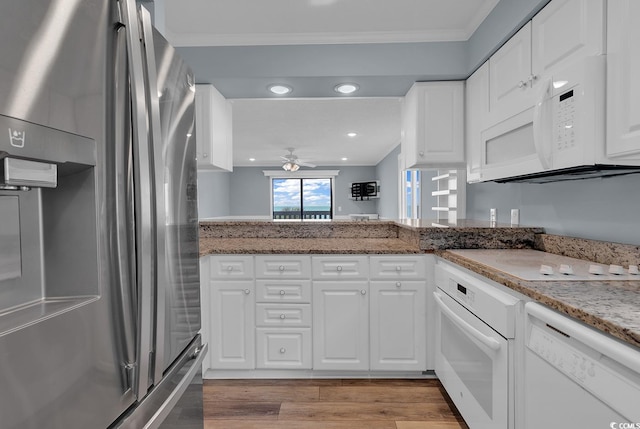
(565, 116)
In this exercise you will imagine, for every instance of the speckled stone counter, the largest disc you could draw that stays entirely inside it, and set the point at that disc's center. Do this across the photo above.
(432, 235)
(610, 306)
(359, 236)
(305, 246)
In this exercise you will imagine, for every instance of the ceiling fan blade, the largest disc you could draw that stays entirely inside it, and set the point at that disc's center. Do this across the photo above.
(285, 159)
(305, 164)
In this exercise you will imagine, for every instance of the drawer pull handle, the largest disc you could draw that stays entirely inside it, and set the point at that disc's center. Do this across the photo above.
(398, 284)
(283, 350)
(281, 267)
(339, 268)
(398, 268)
(229, 268)
(282, 316)
(363, 292)
(247, 291)
(282, 292)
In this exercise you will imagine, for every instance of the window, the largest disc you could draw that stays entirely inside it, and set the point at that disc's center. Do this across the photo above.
(302, 198)
(410, 194)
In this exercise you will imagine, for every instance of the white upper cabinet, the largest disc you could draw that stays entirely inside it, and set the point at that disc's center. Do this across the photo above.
(562, 33)
(510, 77)
(623, 72)
(433, 125)
(566, 31)
(214, 139)
(476, 111)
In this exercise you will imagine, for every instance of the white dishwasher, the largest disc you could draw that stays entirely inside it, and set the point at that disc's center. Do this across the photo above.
(575, 376)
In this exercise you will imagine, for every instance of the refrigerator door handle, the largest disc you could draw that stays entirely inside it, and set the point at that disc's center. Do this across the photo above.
(145, 213)
(158, 198)
(124, 214)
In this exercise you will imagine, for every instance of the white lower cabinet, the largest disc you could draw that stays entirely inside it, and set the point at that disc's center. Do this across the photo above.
(232, 324)
(398, 325)
(283, 312)
(341, 325)
(326, 313)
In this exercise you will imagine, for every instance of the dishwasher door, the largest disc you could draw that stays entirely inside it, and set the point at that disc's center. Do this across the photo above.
(575, 376)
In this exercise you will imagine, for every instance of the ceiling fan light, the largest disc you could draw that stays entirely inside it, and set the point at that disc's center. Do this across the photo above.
(287, 166)
(346, 88)
(295, 167)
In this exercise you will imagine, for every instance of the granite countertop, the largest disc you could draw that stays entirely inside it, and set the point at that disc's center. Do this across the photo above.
(610, 306)
(305, 246)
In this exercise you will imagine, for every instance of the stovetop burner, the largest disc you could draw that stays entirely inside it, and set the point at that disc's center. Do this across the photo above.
(528, 264)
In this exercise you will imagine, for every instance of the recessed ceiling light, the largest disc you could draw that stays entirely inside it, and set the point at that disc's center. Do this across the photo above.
(280, 89)
(352, 134)
(252, 159)
(346, 88)
(344, 159)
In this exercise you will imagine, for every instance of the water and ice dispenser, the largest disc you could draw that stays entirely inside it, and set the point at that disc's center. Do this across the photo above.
(48, 221)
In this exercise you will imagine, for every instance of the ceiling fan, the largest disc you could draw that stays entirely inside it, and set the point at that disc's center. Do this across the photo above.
(290, 162)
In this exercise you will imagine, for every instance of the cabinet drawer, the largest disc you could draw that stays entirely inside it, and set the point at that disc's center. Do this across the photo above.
(283, 266)
(398, 267)
(283, 348)
(231, 267)
(340, 267)
(283, 290)
(283, 314)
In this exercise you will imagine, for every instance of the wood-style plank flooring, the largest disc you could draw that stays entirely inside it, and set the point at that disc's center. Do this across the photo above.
(328, 404)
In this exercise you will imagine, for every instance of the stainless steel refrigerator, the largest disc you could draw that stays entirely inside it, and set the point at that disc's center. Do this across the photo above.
(99, 273)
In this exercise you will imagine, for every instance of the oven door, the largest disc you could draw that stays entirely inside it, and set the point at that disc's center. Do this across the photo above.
(472, 363)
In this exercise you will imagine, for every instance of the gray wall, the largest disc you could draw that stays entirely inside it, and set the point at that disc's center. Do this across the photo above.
(599, 209)
(387, 173)
(213, 194)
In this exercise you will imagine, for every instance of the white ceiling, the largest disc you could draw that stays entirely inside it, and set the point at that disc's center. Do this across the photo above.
(240, 46)
(274, 22)
(316, 128)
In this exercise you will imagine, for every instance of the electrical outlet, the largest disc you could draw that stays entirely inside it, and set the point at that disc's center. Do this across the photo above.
(515, 216)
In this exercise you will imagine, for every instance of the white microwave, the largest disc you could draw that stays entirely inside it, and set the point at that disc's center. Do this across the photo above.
(562, 137)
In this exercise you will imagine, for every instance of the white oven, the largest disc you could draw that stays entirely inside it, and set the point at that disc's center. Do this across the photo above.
(475, 331)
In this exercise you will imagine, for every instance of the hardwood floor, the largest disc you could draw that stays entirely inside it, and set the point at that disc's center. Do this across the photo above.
(328, 404)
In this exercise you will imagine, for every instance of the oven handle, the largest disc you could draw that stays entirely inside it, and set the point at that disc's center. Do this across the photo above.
(492, 343)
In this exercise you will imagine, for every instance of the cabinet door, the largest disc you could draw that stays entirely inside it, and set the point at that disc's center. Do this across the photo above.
(566, 31)
(509, 74)
(232, 328)
(213, 130)
(341, 325)
(438, 137)
(623, 71)
(398, 325)
(476, 110)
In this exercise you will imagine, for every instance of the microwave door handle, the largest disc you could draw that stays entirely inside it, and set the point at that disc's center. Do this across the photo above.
(491, 343)
(542, 125)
